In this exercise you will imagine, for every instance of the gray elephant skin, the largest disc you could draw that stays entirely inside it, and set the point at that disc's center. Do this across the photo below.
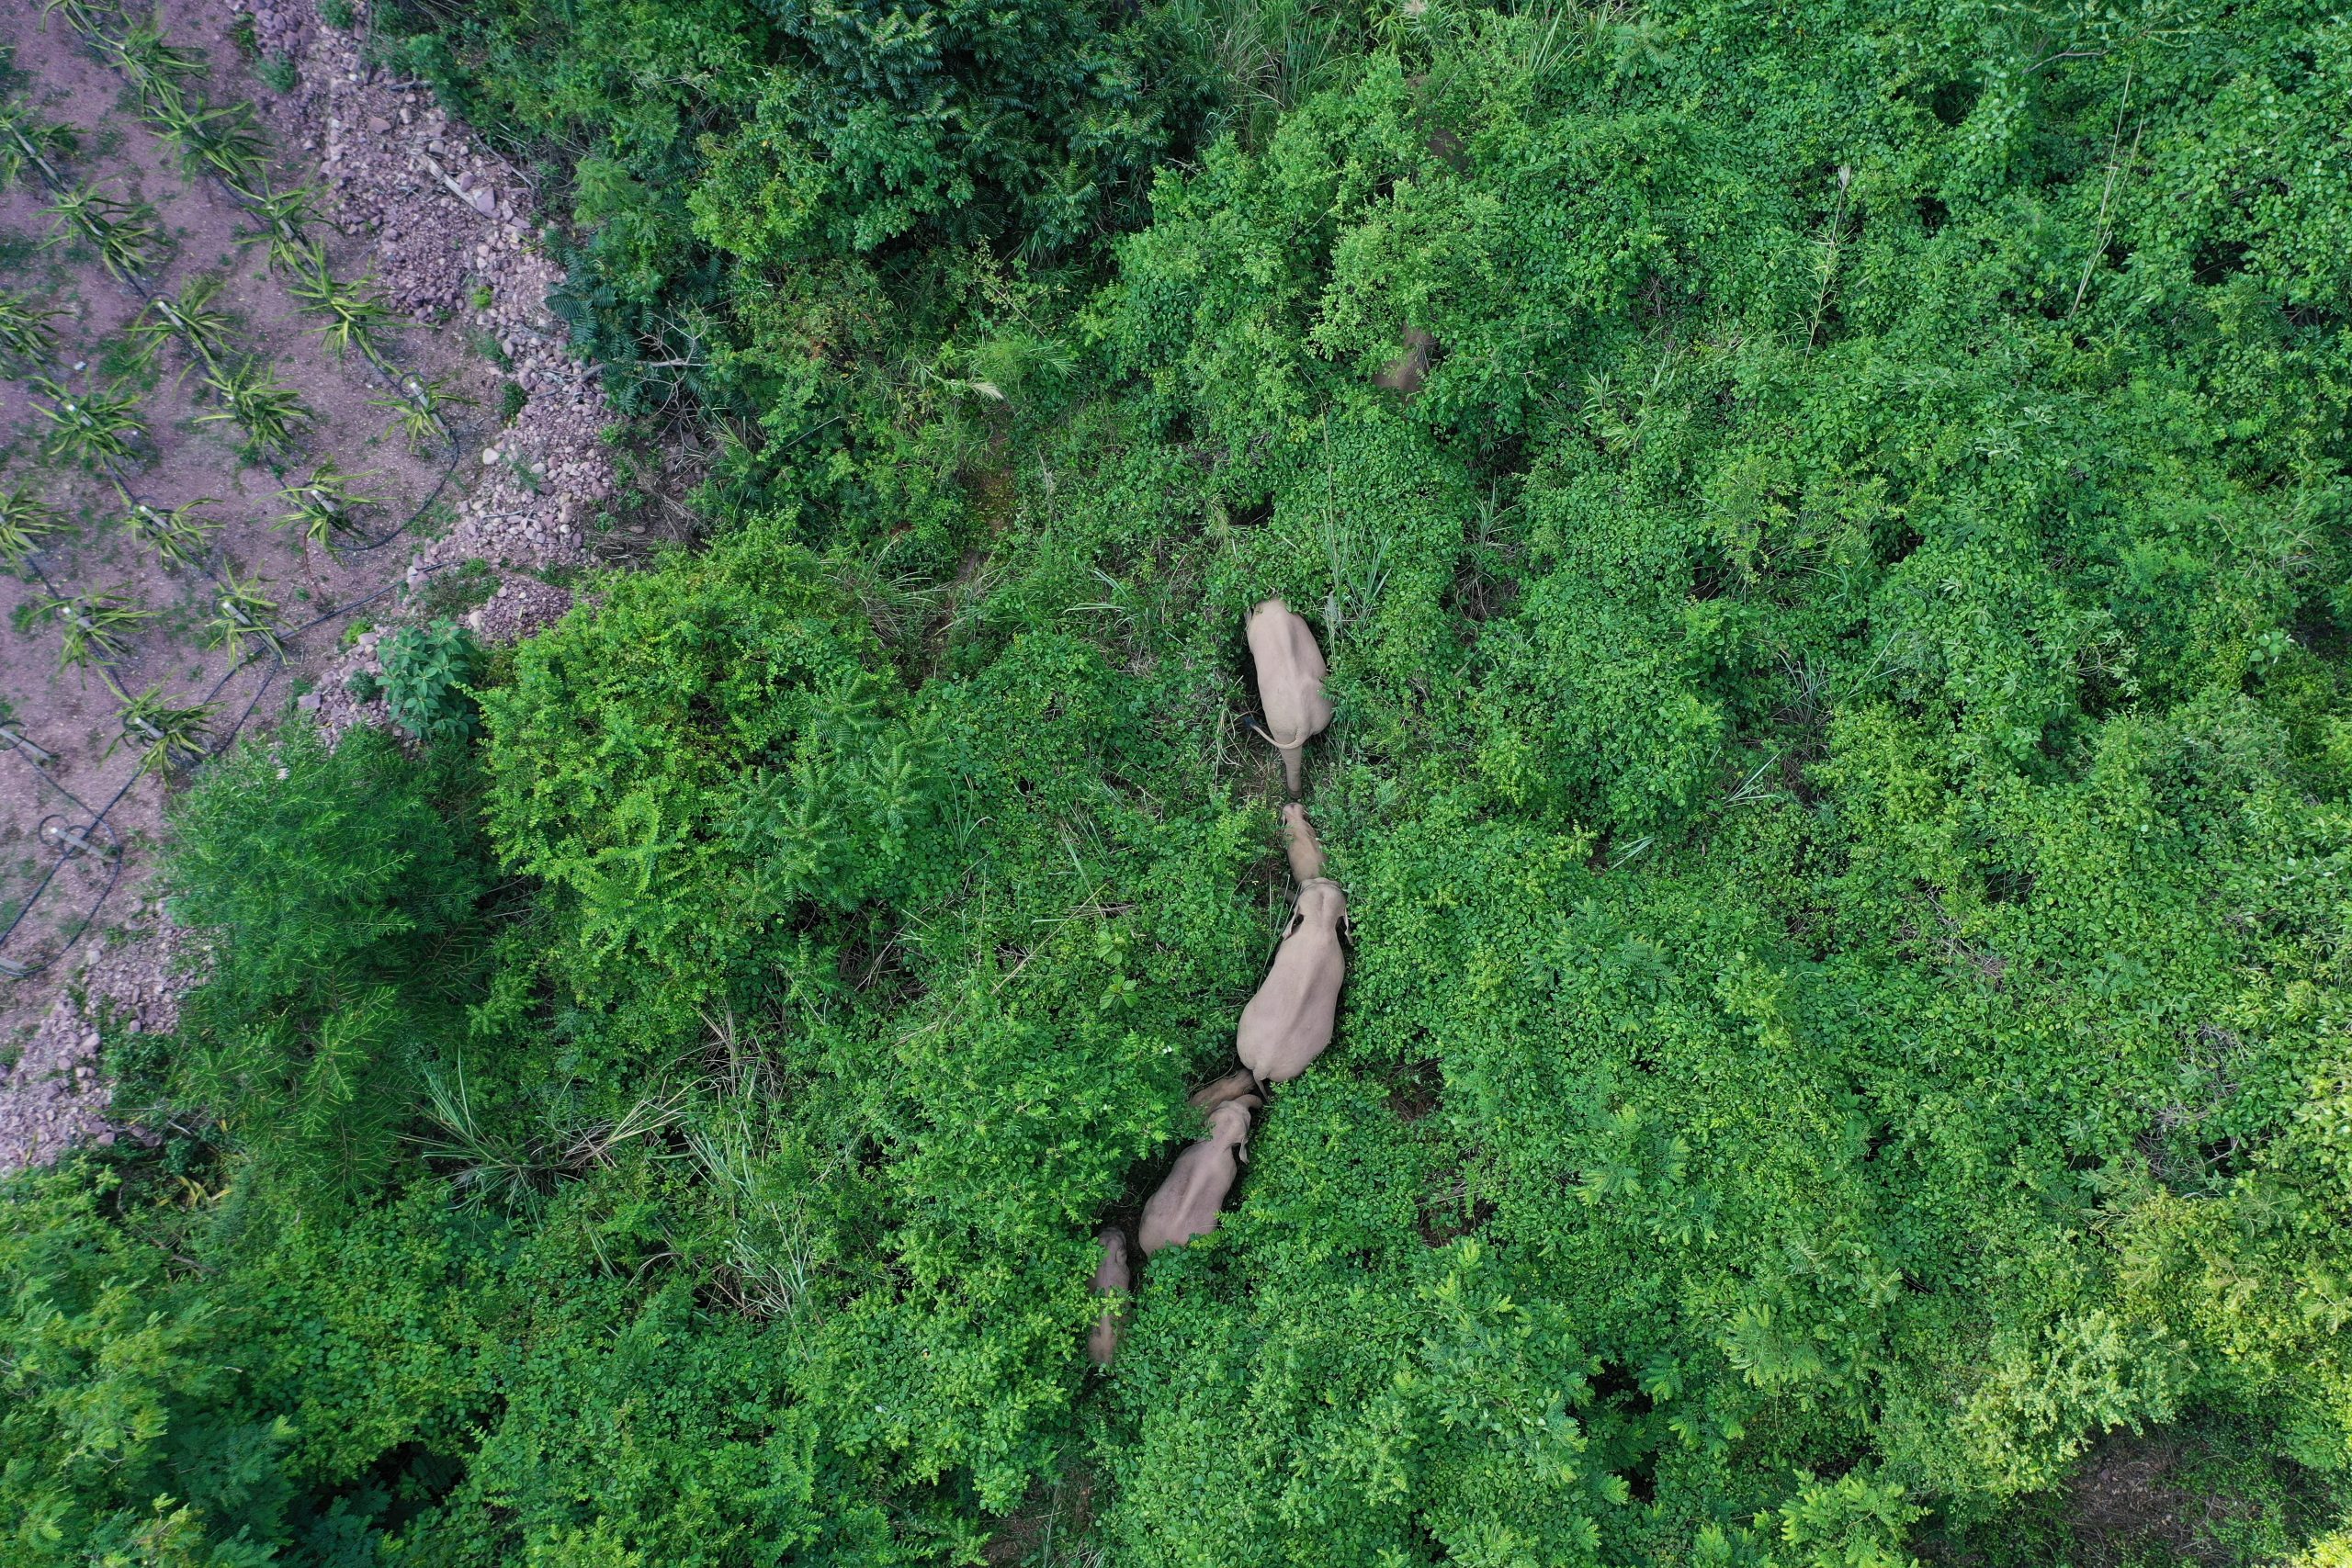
(1188, 1203)
(1289, 683)
(1288, 1024)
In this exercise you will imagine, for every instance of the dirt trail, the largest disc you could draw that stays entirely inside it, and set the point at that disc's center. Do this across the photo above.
(447, 230)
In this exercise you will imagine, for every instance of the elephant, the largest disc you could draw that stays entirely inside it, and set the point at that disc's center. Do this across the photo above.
(1289, 683)
(1233, 1086)
(1187, 1203)
(1111, 1279)
(1288, 1022)
(1406, 372)
(1300, 843)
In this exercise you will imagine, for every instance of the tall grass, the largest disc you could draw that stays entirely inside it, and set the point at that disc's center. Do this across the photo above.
(1260, 57)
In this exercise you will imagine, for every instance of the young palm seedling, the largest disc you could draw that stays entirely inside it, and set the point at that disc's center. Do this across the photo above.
(25, 520)
(128, 238)
(93, 426)
(155, 65)
(283, 220)
(94, 627)
(166, 737)
(416, 411)
(222, 140)
(180, 535)
(31, 145)
(351, 313)
(266, 409)
(192, 318)
(325, 504)
(25, 336)
(243, 624)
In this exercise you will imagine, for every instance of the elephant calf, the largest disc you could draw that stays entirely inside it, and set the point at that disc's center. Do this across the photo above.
(1288, 1022)
(1290, 682)
(1188, 1203)
(1111, 1279)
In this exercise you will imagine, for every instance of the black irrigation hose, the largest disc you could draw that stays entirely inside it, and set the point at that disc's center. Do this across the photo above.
(447, 470)
(32, 900)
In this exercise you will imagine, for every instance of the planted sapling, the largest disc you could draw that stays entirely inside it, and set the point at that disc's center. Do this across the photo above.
(89, 426)
(180, 535)
(25, 520)
(166, 736)
(223, 141)
(243, 624)
(416, 411)
(325, 503)
(25, 336)
(94, 627)
(155, 65)
(267, 410)
(193, 318)
(129, 238)
(352, 313)
(284, 219)
(30, 144)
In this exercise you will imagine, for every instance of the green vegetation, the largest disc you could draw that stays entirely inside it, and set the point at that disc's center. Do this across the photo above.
(325, 504)
(1842, 779)
(92, 631)
(426, 670)
(164, 735)
(243, 617)
(126, 235)
(25, 520)
(94, 427)
(25, 335)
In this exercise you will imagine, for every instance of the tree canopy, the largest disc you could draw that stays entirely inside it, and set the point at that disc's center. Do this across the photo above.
(1842, 776)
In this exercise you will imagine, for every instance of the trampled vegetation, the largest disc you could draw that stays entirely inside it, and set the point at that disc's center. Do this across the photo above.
(1828, 523)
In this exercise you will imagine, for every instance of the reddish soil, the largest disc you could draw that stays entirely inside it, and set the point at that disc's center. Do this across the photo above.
(447, 230)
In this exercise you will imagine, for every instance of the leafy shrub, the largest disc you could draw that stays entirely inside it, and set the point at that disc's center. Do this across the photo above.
(427, 669)
(713, 762)
(126, 1425)
(336, 911)
(1023, 125)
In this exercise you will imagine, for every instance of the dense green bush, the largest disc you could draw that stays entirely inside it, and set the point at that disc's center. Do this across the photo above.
(715, 766)
(336, 909)
(426, 672)
(123, 1434)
